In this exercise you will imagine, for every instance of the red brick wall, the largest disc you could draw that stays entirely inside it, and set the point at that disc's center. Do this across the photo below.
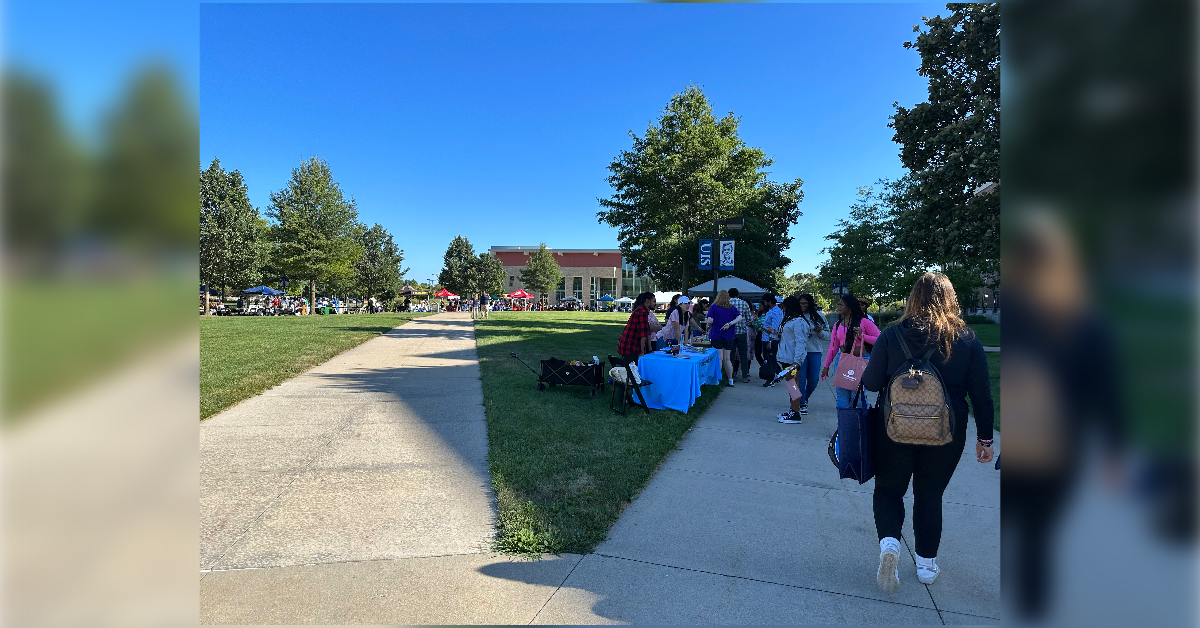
(582, 260)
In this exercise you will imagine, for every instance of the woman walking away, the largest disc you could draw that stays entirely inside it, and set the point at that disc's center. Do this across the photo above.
(809, 371)
(793, 335)
(852, 330)
(931, 326)
(722, 317)
(636, 337)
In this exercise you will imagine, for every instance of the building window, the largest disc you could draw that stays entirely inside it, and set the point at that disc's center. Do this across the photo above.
(607, 285)
(632, 283)
(510, 280)
(561, 292)
(594, 295)
(577, 287)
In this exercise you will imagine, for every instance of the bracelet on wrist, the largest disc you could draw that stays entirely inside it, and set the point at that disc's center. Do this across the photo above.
(985, 443)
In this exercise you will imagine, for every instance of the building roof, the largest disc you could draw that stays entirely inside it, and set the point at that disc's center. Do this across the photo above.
(530, 249)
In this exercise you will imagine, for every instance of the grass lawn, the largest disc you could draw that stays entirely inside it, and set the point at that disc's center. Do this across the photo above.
(61, 334)
(989, 335)
(563, 464)
(241, 356)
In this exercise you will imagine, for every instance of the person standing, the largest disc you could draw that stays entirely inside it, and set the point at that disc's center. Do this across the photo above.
(741, 332)
(793, 333)
(636, 337)
(772, 320)
(656, 328)
(809, 370)
(852, 330)
(756, 323)
(931, 323)
(722, 317)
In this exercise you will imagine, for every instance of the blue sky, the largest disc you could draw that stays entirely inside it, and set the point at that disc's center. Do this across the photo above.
(496, 122)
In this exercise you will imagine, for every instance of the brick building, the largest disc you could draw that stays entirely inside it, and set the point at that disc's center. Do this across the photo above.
(588, 274)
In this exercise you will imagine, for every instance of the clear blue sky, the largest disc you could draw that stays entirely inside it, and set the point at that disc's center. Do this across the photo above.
(496, 122)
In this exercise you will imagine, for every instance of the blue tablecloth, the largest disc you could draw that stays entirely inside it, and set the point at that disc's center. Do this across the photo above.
(677, 381)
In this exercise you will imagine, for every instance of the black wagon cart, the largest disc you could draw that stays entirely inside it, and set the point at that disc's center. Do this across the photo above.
(555, 372)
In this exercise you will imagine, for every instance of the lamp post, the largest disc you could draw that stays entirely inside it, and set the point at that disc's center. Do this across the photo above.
(730, 223)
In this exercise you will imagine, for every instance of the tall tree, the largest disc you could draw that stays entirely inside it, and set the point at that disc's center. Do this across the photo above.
(951, 144)
(458, 267)
(146, 171)
(377, 272)
(541, 273)
(864, 250)
(316, 227)
(689, 170)
(232, 234)
(489, 274)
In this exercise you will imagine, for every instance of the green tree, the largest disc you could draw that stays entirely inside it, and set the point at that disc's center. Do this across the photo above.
(232, 234)
(489, 274)
(46, 174)
(458, 267)
(865, 252)
(689, 170)
(377, 272)
(146, 171)
(316, 227)
(541, 273)
(951, 144)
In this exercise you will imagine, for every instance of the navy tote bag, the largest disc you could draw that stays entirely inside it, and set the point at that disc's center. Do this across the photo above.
(852, 446)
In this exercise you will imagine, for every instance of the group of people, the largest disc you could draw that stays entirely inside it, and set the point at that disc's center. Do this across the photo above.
(789, 338)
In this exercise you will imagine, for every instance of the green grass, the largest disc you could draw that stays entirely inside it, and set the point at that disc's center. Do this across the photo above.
(241, 356)
(60, 334)
(989, 335)
(563, 464)
(994, 374)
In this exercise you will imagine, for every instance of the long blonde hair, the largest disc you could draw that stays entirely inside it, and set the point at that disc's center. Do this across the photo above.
(933, 307)
(722, 299)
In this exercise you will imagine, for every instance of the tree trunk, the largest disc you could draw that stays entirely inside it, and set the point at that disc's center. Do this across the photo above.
(312, 300)
(204, 295)
(684, 288)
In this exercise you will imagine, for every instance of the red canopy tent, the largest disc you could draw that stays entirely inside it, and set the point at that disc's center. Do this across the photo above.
(520, 294)
(445, 294)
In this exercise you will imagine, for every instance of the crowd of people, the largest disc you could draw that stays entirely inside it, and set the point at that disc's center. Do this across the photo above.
(790, 338)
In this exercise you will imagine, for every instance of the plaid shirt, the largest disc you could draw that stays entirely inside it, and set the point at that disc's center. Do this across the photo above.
(637, 328)
(743, 308)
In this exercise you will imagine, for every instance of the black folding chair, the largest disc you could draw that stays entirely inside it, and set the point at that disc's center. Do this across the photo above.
(628, 387)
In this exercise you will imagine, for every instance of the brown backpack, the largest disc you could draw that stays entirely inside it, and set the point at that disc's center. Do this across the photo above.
(916, 406)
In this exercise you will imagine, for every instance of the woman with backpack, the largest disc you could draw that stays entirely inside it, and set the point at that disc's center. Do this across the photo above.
(929, 343)
(852, 331)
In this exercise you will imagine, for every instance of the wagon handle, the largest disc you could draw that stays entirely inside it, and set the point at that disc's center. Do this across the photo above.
(513, 354)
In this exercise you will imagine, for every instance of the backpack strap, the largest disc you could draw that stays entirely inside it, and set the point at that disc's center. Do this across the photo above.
(908, 354)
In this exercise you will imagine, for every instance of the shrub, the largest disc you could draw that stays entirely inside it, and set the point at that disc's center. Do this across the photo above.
(887, 317)
(978, 319)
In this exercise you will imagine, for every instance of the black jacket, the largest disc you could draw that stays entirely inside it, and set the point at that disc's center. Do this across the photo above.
(965, 374)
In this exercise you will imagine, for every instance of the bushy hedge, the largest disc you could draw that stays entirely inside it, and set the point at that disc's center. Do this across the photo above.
(978, 319)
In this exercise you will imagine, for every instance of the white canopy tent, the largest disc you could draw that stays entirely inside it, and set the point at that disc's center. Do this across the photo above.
(746, 289)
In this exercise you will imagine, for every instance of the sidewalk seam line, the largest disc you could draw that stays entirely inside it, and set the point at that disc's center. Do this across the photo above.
(343, 562)
(556, 590)
(781, 584)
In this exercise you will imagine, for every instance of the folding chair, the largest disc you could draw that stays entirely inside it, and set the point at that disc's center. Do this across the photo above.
(628, 387)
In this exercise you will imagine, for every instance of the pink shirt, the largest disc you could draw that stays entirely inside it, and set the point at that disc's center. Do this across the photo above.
(870, 335)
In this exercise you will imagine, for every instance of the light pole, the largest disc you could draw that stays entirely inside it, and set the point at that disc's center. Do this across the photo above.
(730, 223)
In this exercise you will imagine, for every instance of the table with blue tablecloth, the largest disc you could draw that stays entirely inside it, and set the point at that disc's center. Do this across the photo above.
(677, 381)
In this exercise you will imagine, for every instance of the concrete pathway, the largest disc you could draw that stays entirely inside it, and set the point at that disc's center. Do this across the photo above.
(358, 492)
(747, 522)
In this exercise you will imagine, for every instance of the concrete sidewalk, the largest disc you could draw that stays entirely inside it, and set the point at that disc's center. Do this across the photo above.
(747, 522)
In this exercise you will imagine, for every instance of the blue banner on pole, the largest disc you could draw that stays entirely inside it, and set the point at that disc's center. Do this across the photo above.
(726, 255)
(706, 254)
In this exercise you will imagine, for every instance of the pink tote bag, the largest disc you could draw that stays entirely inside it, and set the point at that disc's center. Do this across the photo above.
(850, 369)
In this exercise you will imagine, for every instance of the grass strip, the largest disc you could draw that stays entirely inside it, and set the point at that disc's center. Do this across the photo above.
(993, 359)
(241, 356)
(563, 464)
(989, 335)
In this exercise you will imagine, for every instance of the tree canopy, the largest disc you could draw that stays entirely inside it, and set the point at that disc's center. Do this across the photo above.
(232, 234)
(689, 170)
(377, 271)
(865, 250)
(489, 274)
(458, 267)
(541, 273)
(316, 231)
(951, 143)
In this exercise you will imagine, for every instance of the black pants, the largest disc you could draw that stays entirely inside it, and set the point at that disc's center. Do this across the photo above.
(739, 343)
(758, 349)
(770, 351)
(1033, 505)
(930, 469)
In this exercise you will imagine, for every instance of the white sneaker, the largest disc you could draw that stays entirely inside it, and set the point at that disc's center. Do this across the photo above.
(927, 569)
(888, 575)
